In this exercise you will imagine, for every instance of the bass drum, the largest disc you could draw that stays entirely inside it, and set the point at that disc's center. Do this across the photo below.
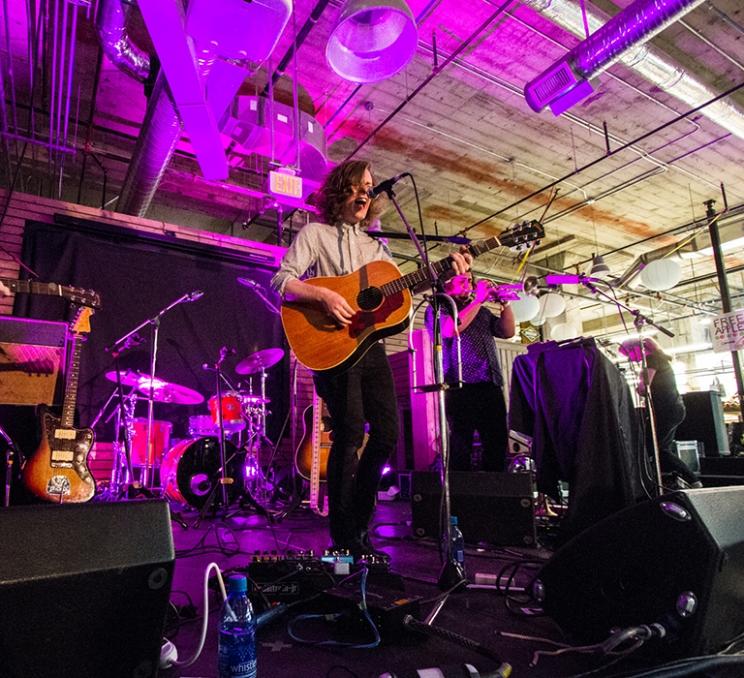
(191, 469)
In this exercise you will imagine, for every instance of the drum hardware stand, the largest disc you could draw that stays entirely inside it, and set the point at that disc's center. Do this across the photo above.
(130, 487)
(154, 324)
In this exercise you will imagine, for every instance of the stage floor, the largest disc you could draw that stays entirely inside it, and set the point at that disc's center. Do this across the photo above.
(507, 624)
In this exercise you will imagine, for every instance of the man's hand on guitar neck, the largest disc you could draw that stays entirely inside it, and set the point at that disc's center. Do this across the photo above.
(461, 260)
(4, 290)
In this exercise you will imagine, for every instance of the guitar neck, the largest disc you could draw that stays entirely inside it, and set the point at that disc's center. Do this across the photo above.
(421, 275)
(75, 294)
(71, 385)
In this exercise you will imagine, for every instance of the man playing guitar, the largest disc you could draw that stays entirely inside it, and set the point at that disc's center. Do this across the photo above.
(363, 392)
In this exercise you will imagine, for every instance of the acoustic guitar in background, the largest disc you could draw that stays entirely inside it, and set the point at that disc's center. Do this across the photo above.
(311, 456)
(58, 471)
(382, 301)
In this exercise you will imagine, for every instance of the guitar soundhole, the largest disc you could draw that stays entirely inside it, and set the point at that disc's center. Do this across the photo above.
(369, 299)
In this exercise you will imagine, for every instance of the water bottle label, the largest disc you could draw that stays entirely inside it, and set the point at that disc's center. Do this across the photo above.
(237, 655)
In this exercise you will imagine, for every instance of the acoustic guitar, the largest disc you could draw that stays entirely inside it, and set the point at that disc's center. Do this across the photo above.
(381, 299)
(311, 457)
(58, 471)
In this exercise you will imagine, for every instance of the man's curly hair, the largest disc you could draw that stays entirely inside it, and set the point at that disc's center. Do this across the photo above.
(337, 187)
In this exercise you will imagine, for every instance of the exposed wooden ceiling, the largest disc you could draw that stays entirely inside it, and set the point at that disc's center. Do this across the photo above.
(481, 158)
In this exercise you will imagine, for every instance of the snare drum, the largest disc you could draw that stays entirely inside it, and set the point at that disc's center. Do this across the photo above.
(191, 468)
(161, 434)
(232, 412)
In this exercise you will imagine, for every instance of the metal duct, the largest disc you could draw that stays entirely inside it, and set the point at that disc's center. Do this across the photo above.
(115, 42)
(161, 130)
(631, 50)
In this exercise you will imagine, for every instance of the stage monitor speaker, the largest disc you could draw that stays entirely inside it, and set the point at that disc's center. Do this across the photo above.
(498, 508)
(677, 560)
(84, 589)
(704, 421)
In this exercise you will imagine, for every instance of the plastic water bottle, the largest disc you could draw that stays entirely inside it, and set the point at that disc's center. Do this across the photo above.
(457, 542)
(237, 632)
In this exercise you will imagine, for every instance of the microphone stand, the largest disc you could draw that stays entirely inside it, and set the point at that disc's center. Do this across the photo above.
(154, 324)
(452, 573)
(639, 320)
(223, 481)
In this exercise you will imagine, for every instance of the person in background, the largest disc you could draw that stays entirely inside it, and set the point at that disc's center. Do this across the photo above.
(363, 394)
(657, 378)
(479, 405)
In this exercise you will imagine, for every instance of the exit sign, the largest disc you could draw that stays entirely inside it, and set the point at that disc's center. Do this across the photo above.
(288, 185)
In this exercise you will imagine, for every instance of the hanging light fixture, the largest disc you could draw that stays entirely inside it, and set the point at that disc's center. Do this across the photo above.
(661, 274)
(372, 40)
(599, 268)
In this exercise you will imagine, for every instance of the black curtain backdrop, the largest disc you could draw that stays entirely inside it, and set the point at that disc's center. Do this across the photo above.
(138, 275)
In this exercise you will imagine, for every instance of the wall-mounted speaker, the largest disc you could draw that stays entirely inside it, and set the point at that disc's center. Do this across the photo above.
(677, 560)
(84, 589)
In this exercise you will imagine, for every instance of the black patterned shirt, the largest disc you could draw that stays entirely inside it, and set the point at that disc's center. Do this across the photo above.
(480, 359)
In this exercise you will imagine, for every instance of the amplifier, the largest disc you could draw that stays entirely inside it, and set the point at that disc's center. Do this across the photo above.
(498, 508)
(31, 353)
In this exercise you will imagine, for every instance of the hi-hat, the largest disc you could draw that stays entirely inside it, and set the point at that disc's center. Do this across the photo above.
(128, 377)
(260, 360)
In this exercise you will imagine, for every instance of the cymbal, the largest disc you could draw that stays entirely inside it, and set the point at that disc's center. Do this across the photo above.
(165, 392)
(260, 360)
(128, 377)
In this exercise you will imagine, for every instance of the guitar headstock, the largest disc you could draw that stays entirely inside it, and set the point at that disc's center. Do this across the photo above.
(80, 324)
(520, 235)
(81, 297)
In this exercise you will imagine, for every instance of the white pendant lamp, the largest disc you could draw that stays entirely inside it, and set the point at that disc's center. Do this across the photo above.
(372, 40)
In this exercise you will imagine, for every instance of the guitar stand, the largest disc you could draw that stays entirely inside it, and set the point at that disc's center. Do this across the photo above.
(10, 450)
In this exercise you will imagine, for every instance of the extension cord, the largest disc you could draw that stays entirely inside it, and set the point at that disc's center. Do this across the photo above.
(168, 655)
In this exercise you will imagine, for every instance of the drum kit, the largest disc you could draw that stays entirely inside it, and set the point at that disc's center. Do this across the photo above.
(191, 470)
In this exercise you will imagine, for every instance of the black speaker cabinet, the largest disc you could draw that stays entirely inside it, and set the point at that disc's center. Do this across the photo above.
(490, 507)
(84, 589)
(704, 422)
(677, 560)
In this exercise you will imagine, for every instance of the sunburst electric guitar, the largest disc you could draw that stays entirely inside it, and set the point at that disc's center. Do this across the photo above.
(381, 299)
(58, 471)
(311, 457)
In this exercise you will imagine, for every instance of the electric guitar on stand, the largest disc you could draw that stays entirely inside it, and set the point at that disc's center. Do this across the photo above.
(311, 457)
(382, 301)
(58, 471)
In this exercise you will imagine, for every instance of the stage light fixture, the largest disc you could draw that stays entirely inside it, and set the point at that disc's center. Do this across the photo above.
(372, 40)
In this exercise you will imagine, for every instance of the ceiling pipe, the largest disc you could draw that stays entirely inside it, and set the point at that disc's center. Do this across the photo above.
(624, 38)
(111, 23)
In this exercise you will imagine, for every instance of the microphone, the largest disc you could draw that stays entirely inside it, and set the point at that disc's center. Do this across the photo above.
(568, 279)
(385, 186)
(193, 296)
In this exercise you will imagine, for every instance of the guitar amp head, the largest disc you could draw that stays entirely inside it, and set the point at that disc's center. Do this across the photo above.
(31, 355)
